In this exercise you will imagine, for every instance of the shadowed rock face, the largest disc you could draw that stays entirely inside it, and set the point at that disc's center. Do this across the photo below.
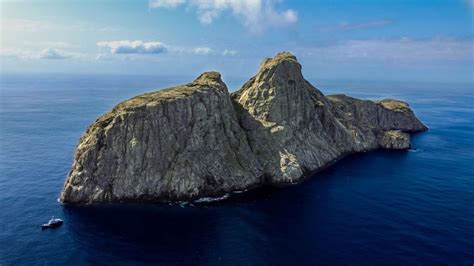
(198, 140)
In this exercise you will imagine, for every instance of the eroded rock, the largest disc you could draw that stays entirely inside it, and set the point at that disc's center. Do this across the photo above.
(395, 139)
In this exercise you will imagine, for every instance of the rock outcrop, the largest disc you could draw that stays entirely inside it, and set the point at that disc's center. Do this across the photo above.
(197, 140)
(395, 139)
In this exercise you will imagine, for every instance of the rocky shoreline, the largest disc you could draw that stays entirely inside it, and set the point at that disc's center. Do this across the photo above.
(198, 140)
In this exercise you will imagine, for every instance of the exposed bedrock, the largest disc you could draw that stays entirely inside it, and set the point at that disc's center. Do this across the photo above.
(197, 140)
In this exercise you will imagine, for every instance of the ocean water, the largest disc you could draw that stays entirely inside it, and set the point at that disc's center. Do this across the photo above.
(379, 208)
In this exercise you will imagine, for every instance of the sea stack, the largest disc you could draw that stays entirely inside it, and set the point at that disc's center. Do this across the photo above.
(198, 140)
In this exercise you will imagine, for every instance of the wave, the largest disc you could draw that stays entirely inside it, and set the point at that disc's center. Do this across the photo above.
(211, 199)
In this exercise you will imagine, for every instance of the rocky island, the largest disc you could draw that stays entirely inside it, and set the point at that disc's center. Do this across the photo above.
(198, 140)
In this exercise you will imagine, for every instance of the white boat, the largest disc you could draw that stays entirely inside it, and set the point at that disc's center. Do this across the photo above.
(53, 223)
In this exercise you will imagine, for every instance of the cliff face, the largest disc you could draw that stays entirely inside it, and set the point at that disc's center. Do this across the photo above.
(197, 140)
(288, 122)
(176, 143)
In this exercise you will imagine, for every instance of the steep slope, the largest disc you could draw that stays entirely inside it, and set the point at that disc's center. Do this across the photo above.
(177, 143)
(280, 107)
(196, 140)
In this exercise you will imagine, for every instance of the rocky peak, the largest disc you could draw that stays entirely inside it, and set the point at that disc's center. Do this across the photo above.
(278, 60)
(282, 67)
(278, 93)
(210, 78)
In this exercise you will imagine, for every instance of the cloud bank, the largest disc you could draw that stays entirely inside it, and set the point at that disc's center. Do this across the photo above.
(202, 50)
(139, 47)
(51, 53)
(134, 47)
(254, 14)
(229, 52)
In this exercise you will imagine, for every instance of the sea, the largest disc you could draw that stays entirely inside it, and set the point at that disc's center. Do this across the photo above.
(411, 207)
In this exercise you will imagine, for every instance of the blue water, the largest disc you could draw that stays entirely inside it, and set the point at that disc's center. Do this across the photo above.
(380, 208)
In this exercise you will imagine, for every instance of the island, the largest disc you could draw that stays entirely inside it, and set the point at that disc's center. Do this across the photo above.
(198, 140)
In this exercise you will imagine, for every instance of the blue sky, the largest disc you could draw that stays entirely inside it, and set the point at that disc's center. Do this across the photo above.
(371, 40)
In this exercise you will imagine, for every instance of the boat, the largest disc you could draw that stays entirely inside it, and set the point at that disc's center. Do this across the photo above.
(53, 223)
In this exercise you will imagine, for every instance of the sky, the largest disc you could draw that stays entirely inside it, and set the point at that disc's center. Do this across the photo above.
(424, 40)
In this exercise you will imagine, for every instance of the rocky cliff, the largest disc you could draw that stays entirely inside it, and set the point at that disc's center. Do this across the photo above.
(197, 140)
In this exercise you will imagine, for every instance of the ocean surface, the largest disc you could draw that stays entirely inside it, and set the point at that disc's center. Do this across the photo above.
(379, 208)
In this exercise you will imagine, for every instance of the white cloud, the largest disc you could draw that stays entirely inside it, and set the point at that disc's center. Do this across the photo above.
(140, 47)
(281, 18)
(134, 47)
(51, 53)
(202, 50)
(229, 52)
(165, 3)
(254, 14)
(194, 51)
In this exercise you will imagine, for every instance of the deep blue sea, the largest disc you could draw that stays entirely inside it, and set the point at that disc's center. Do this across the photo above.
(379, 208)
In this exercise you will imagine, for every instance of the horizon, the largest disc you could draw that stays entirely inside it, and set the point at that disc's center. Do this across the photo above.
(408, 41)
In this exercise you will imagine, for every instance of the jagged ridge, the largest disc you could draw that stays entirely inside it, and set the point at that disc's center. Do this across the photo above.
(198, 140)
